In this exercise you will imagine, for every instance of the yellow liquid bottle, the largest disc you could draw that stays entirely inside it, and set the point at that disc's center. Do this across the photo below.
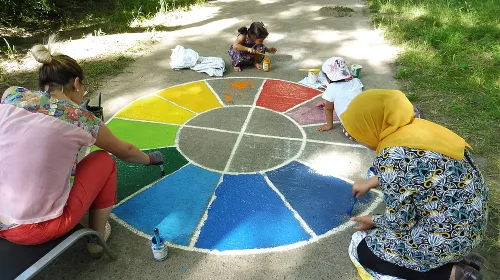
(266, 64)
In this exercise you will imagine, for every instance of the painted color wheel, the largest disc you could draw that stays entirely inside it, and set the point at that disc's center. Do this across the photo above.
(246, 171)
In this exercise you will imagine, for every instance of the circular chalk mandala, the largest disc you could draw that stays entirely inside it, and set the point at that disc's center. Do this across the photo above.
(246, 170)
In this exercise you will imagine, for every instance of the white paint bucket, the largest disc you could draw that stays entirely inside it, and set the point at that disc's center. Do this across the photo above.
(160, 251)
(312, 78)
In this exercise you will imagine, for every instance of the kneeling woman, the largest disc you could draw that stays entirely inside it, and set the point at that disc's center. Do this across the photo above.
(44, 192)
(436, 199)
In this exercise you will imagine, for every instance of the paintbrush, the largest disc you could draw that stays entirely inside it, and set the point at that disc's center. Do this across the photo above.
(262, 53)
(162, 170)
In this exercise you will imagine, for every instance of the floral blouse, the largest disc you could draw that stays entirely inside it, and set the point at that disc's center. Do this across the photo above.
(43, 103)
(436, 208)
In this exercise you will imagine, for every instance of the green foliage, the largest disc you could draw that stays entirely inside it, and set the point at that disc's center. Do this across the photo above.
(25, 10)
(32, 12)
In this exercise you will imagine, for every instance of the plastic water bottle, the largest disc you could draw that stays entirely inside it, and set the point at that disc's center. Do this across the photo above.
(158, 246)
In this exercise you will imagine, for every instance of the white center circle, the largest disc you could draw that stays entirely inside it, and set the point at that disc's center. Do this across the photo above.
(241, 139)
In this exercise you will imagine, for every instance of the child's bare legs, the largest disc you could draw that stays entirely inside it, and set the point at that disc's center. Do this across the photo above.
(325, 127)
(237, 68)
(328, 116)
(256, 62)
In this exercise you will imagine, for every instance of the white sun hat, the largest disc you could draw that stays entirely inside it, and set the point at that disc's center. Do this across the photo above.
(335, 68)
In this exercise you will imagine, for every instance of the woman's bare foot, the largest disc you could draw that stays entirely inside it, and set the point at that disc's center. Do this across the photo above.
(258, 66)
(237, 69)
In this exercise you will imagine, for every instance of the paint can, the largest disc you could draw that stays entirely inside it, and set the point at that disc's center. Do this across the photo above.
(312, 77)
(160, 249)
(356, 70)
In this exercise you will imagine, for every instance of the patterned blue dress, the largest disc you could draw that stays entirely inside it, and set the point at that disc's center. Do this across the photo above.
(436, 208)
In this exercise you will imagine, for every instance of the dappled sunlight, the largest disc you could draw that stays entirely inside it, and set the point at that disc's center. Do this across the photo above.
(178, 18)
(418, 12)
(327, 36)
(312, 62)
(212, 28)
(298, 53)
(334, 162)
(275, 37)
(296, 11)
(369, 45)
(89, 48)
(263, 2)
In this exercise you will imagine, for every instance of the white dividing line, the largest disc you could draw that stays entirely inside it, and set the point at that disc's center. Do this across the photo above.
(302, 103)
(196, 234)
(238, 140)
(201, 223)
(195, 237)
(162, 147)
(296, 214)
(243, 129)
(147, 187)
(211, 129)
(171, 102)
(337, 143)
(214, 93)
(346, 225)
(273, 136)
(134, 120)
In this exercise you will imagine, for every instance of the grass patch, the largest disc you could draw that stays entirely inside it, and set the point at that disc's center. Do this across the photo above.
(450, 67)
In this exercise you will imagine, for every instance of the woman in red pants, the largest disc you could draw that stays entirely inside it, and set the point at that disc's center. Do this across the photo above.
(44, 192)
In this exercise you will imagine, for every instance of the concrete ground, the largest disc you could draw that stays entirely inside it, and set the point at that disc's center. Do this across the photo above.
(304, 39)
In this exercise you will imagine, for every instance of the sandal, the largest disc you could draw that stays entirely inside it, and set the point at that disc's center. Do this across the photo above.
(95, 250)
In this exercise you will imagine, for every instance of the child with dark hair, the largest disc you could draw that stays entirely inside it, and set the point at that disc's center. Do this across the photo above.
(248, 44)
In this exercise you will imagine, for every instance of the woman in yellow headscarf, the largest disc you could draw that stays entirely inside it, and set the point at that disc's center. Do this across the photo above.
(435, 197)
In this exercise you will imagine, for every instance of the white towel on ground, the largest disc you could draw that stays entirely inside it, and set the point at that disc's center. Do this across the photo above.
(182, 58)
(213, 66)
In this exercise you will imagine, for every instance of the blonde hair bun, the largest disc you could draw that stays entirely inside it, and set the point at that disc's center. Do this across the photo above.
(44, 54)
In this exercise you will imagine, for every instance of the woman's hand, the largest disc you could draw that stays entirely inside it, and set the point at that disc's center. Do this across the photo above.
(363, 186)
(272, 50)
(365, 222)
(251, 50)
(125, 151)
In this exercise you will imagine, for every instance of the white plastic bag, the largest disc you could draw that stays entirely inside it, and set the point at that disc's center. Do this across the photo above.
(183, 58)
